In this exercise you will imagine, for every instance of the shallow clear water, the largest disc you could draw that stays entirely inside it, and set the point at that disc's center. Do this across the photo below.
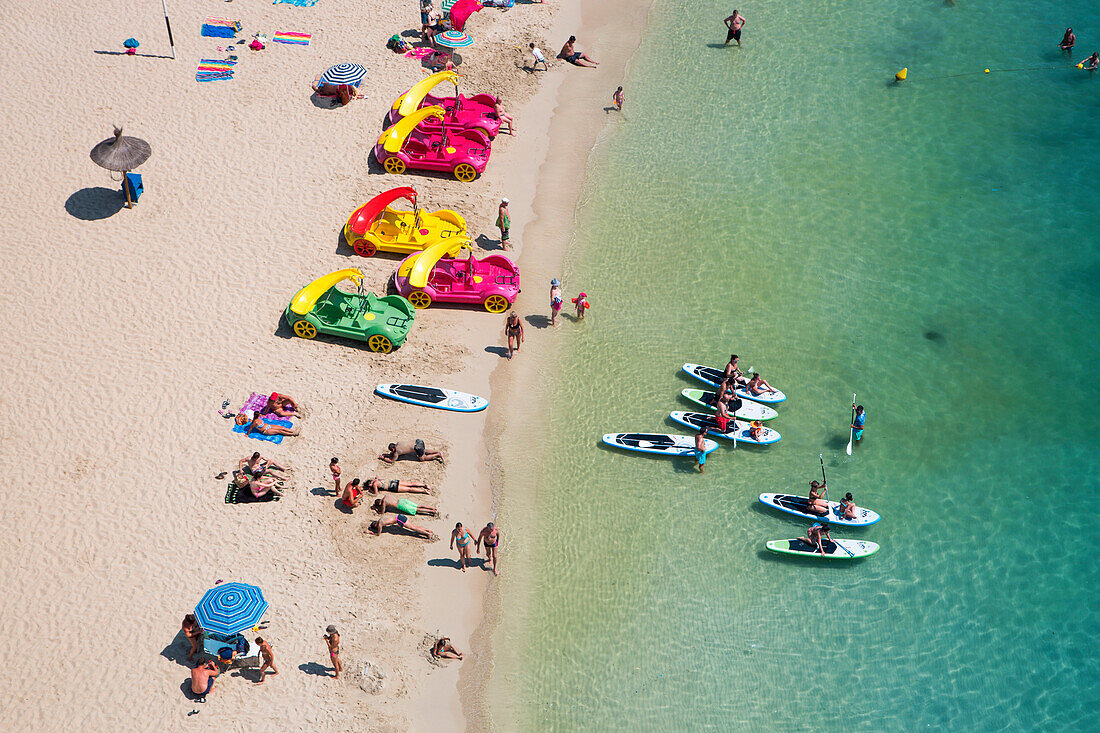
(931, 246)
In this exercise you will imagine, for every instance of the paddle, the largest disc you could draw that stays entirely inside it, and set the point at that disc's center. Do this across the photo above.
(826, 482)
(851, 431)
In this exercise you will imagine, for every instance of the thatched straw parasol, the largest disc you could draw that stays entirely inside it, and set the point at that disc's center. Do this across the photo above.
(121, 154)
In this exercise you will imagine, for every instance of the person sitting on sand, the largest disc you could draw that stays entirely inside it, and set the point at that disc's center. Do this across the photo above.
(397, 486)
(281, 405)
(352, 494)
(410, 451)
(385, 504)
(400, 520)
(341, 93)
(257, 465)
(503, 116)
(758, 386)
(193, 632)
(256, 423)
(202, 679)
(260, 487)
(577, 58)
(443, 649)
(815, 504)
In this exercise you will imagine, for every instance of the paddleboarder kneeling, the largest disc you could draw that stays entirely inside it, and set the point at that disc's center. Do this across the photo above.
(857, 422)
(814, 534)
(815, 504)
(700, 449)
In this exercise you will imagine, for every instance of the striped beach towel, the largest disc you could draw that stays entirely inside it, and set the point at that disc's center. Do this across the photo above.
(214, 70)
(220, 27)
(289, 37)
(299, 3)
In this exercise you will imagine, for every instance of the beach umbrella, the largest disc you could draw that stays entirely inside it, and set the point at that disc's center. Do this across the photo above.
(121, 154)
(230, 608)
(446, 5)
(344, 74)
(461, 11)
(454, 39)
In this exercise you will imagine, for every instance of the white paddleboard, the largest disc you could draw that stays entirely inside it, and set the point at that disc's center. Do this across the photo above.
(657, 443)
(713, 377)
(798, 506)
(441, 399)
(737, 428)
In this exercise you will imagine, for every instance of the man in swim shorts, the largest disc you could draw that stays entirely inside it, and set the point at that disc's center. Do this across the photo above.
(397, 486)
(202, 679)
(405, 449)
(735, 23)
(700, 449)
(504, 223)
(491, 536)
(539, 58)
(857, 422)
(577, 58)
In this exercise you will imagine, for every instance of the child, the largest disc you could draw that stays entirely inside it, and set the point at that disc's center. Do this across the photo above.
(332, 638)
(539, 58)
(269, 659)
(334, 466)
(617, 98)
(555, 301)
(757, 430)
(504, 223)
(581, 301)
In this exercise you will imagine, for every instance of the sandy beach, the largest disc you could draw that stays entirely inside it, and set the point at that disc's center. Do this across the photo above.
(132, 326)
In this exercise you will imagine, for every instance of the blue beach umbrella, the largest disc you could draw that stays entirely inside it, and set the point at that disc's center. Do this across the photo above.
(344, 74)
(230, 608)
(454, 39)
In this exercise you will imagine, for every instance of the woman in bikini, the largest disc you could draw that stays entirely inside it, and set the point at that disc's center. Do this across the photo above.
(385, 504)
(461, 537)
(815, 504)
(758, 386)
(444, 649)
(193, 632)
(397, 486)
(513, 329)
(848, 506)
(400, 520)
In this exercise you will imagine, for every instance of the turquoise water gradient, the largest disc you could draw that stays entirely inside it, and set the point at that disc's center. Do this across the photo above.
(931, 246)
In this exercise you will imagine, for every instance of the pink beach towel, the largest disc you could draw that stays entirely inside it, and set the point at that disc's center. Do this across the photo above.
(419, 53)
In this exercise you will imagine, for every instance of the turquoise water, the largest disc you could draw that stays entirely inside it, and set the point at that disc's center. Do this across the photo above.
(931, 246)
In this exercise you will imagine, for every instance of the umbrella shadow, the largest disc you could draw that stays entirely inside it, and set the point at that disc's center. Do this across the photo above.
(176, 651)
(322, 102)
(95, 202)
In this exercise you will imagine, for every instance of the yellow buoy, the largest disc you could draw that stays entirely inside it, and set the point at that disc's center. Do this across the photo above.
(1081, 65)
(987, 71)
(900, 76)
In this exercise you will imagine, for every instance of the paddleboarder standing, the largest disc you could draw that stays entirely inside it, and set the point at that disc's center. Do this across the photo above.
(857, 422)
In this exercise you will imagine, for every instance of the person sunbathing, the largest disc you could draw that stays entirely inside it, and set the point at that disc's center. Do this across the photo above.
(281, 405)
(257, 465)
(574, 57)
(255, 422)
(385, 504)
(444, 649)
(411, 451)
(397, 486)
(400, 520)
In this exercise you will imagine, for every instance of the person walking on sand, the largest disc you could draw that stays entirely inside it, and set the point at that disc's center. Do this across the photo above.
(539, 58)
(617, 99)
(700, 449)
(397, 486)
(332, 638)
(202, 679)
(193, 632)
(334, 467)
(268, 657)
(513, 329)
(581, 304)
(461, 537)
(490, 534)
(504, 223)
(555, 301)
(1068, 40)
(734, 23)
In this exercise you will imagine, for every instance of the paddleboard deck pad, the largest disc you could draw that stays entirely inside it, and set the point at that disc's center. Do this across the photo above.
(441, 399)
(748, 410)
(799, 506)
(737, 428)
(713, 377)
(833, 551)
(658, 443)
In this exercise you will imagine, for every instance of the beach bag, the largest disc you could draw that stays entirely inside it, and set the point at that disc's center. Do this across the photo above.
(397, 44)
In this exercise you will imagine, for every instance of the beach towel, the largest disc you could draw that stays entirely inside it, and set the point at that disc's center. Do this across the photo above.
(299, 3)
(221, 27)
(214, 70)
(419, 53)
(255, 402)
(291, 38)
(236, 495)
(210, 76)
(260, 436)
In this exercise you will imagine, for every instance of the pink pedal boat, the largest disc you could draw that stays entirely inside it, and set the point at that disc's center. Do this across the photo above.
(460, 113)
(426, 277)
(463, 153)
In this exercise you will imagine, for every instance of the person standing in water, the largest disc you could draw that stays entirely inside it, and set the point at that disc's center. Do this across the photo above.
(734, 23)
(555, 301)
(581, 304)
(617, 99)
(490, 534)
(700, 449)
(504, 223)
(857, 422)
(1091, 63)
(1067, 41)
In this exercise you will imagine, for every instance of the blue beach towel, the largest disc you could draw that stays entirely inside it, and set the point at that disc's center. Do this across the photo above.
(260, 436)
(299, 3)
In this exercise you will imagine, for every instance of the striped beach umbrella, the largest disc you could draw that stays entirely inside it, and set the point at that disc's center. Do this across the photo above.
(344, 74)
(446, 5)
(231, 608)
(454, 39)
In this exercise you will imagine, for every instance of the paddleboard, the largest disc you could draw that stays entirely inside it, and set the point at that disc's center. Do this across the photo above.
(858, 548)
(797, 505)
(747, 411)
(441, 399)
(697, 420)
(658, 443)
(713, 377)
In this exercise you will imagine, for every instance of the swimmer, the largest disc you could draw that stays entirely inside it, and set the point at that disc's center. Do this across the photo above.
(1067, 41)
(581, 303)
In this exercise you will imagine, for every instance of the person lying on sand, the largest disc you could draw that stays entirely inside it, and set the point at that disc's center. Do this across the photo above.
(281, 405)
(400, 520)
(397, 486)
(385, 504)
(256, 423)
(202, 679)
(257, 465)
(352, 494)
(413, 451)
(574, 57)
(444, 649)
